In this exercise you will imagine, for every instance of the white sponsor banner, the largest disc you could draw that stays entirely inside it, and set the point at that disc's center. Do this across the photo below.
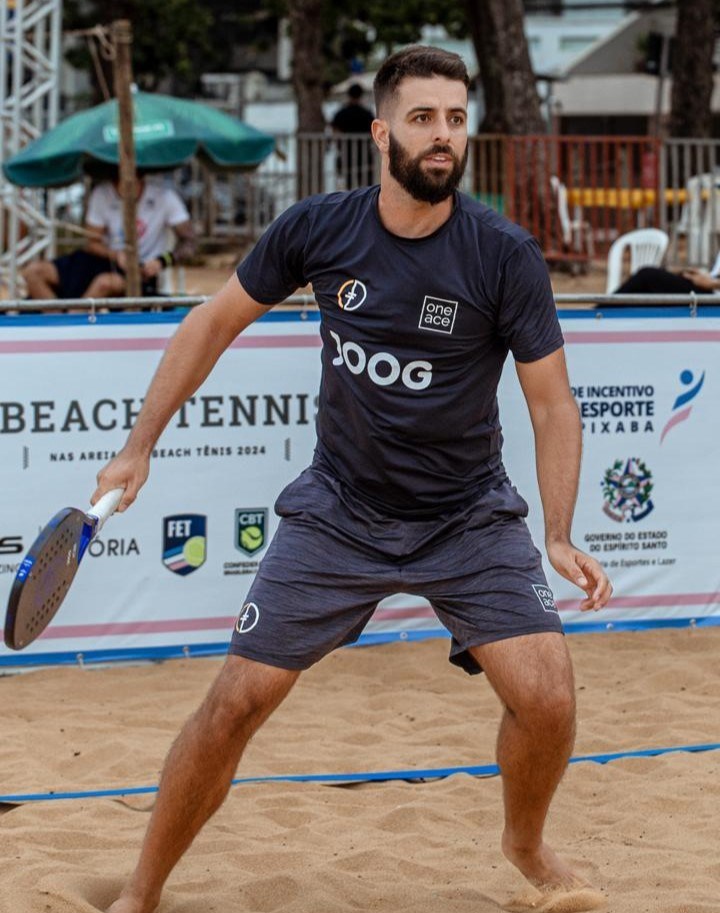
(171, 574)
(69, 395)
(649, 501)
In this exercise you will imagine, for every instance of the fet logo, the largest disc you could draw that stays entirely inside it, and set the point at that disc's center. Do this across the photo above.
(184, 542)
(351, 295)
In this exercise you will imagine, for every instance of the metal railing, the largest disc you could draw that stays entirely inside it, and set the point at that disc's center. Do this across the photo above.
(576, 194)
(306, 302)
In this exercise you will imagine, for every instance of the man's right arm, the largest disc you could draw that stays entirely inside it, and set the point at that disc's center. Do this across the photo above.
(191, 354)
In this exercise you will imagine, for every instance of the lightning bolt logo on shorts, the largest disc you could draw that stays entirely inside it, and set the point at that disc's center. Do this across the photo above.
(351, 294)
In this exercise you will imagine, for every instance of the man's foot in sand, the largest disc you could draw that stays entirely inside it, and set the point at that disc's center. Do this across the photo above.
(542, 867)
(557, 888)
(125, 904)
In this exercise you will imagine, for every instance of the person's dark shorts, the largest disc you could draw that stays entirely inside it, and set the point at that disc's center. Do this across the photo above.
(333, 559)
(78, 269)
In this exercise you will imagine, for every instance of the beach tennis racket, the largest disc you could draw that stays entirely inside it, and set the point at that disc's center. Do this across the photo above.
(48, 570)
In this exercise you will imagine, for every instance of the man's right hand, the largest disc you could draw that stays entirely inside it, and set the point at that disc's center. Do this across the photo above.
(127, 470)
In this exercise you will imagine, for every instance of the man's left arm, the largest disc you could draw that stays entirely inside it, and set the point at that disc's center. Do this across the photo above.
(558, 446)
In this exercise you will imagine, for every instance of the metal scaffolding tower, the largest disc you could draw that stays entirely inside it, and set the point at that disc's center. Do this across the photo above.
(30, 32)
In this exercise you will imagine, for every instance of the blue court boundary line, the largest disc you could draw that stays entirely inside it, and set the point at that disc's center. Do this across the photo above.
(383, 776)
(219, 648)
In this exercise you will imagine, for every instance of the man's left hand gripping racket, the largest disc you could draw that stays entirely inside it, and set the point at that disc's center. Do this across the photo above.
(48, 569)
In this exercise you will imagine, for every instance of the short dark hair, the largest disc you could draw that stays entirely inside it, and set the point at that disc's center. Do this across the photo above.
(418, 61)
(355, 91)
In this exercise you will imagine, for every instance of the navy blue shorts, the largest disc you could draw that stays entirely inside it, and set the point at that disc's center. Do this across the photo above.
(333, 559)
(78, 269)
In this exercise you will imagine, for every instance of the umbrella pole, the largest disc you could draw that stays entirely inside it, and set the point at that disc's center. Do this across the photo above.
(121, 33)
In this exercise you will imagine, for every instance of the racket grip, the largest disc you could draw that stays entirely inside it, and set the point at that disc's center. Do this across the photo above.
(106, 507)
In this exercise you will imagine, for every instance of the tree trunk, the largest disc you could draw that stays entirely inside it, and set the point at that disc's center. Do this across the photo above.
(692, 69)
(512, 108)
(512, 104)
(306, 33)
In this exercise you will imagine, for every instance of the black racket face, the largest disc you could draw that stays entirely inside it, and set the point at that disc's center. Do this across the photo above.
(44, 577)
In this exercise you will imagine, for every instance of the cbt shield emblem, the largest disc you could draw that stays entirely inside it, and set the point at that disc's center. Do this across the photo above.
(251, 529)
(184, 542)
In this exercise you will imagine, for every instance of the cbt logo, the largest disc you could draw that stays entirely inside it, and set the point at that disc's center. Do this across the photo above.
(627, 486)
(184, 542)
(250, 529)
(681, 407)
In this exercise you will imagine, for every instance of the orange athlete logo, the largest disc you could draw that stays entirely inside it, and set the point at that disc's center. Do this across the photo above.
(351, 295)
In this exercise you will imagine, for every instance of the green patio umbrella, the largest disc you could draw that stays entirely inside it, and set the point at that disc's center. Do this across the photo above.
(168, 131)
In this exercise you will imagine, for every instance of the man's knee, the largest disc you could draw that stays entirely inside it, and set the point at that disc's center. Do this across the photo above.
(106, 285)
(40, 270)
(244, 695)
(533, 677)
(550, 713)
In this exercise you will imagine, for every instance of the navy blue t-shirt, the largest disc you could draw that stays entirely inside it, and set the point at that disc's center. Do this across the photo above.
(415, 333)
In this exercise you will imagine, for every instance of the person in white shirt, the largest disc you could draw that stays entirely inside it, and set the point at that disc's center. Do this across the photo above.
(98, 270)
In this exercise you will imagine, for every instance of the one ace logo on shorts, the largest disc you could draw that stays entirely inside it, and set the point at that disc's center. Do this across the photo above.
(545, 595)
(250, 529)
(184, 542)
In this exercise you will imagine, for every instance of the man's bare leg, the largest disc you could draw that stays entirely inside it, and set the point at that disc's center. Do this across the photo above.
(42, 280)
(106, 285)
(199, 769)
(532, 675)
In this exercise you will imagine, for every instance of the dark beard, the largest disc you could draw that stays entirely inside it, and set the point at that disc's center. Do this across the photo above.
(426, 185)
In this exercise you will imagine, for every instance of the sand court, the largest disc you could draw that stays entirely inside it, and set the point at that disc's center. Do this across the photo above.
(642, 830)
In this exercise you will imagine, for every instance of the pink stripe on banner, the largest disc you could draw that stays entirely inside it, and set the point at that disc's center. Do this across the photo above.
(173, 625)
(393, 614)
(648, 602)
(154, 344)
(643, 336)
(140, 627)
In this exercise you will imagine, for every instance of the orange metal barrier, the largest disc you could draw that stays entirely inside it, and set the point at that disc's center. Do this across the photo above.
(576, 194)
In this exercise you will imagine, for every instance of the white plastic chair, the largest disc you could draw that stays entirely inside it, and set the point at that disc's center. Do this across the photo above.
(700, 218)
(575, 229)
(647, 247)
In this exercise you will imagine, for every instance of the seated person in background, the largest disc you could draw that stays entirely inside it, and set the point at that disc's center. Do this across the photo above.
(654, 280)
(98, 270)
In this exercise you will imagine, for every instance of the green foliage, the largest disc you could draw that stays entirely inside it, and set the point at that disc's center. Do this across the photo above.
(182, 39)
(356, 29)
(170, 37)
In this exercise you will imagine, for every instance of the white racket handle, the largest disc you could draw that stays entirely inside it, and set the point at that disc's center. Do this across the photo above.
(106, 507)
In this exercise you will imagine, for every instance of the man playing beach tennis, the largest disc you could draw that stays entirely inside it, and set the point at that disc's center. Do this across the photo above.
(422, 293)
